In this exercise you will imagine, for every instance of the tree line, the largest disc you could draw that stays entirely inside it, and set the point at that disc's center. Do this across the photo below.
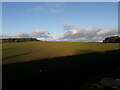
(113, 39)
(18, 40)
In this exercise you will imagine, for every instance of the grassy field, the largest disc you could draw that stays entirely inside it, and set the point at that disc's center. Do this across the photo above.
(29, 65)
(29, 51)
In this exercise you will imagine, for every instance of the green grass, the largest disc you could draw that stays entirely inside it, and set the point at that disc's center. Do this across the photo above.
(30, 51)
(61, 73)
(81, 63)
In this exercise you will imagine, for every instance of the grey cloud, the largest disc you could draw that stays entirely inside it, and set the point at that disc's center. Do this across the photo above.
(89, 35)
(68, 26)
(35, 34)
(22, 35)
(7, 35)
(40, 34)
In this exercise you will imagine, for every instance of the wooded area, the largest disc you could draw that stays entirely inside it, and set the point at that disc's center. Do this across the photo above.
(113, 39)
(18, 40)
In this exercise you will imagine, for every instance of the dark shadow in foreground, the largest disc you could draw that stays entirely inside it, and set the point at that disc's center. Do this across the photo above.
(59, 73)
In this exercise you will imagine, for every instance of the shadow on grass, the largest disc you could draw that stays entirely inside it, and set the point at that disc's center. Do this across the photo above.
(58, 73)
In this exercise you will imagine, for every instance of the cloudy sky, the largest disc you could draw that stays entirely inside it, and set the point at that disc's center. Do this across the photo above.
(70, 21)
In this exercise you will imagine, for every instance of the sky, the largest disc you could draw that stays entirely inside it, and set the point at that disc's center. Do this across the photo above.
(67, 21)
(60, 0)
(0, 17)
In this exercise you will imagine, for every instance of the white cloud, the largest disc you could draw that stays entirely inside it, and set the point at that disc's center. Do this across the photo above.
(22, 35)
(52, 7)
(88, 35)
(6, 35)
(39, 7)
(40, 34)
(68, 26)
(81, 35)
(54, 10)
(35, 34)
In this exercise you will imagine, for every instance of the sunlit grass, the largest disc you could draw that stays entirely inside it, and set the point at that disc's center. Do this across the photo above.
(29, 51)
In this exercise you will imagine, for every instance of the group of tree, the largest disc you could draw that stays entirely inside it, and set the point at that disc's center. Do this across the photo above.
(113, 39)
(18, 40)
